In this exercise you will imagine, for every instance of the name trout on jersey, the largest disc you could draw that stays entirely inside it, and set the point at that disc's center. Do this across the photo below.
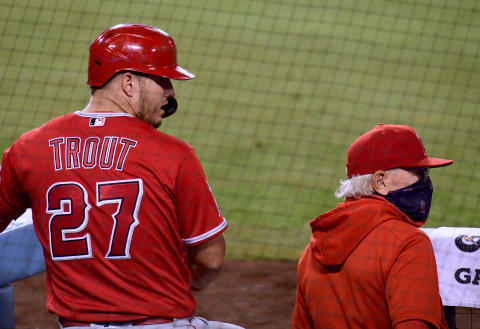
(74, 152)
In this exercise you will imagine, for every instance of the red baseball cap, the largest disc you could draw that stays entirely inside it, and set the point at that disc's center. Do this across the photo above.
(387, 147)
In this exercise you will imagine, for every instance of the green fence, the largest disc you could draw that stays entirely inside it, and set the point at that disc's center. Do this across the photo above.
(282, 89)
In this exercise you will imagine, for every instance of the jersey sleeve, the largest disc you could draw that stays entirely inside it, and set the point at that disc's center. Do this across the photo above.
(13, 199)
(198, 213)
(412, 290)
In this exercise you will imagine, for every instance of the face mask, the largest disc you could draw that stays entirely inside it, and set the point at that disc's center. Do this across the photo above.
(413, 200)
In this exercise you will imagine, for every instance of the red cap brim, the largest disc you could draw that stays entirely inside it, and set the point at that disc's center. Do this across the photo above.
(431, 162)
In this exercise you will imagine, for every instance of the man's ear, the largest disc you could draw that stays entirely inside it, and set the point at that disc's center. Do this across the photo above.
(129, 82)
(378, 182)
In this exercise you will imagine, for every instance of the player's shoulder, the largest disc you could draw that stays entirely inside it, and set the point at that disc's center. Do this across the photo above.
(403, 231)
(167, 138)
(37, 132)
(396, 224)
(165, 143)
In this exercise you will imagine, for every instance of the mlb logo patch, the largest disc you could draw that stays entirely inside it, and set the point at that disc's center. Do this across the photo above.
(97, 122)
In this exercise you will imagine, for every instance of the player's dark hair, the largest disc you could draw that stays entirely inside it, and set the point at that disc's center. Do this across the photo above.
(93, 88)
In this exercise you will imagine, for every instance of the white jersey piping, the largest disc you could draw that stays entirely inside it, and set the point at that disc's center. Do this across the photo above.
(206, 235)
(102, 114)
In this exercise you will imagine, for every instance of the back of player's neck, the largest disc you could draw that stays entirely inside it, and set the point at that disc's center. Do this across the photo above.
(103, 105)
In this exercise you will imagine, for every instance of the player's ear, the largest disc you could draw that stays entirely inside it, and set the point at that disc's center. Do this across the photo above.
(129, 83)
(378, 182)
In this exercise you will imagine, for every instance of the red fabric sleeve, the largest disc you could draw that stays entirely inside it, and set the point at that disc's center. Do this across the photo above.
(412, 290)
(301, 318)
(198, 213)
(13, 199)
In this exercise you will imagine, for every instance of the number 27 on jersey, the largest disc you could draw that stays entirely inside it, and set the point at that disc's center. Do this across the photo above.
(67, 202)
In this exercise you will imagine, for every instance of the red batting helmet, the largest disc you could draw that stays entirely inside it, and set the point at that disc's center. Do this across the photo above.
(133, 47)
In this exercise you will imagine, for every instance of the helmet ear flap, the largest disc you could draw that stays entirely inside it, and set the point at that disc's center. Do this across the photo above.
(170, 107)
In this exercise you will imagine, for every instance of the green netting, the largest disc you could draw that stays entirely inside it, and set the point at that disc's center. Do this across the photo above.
(282, 89)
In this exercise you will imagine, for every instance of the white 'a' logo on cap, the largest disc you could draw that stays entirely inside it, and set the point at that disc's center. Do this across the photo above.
(423, 146)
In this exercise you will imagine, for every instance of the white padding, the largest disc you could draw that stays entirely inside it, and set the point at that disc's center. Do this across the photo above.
(457, 252)
(21, 254)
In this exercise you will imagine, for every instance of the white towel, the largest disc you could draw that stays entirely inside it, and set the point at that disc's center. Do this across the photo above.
(457, 252)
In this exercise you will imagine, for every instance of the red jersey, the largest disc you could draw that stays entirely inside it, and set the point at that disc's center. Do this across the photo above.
(114, 203)
(367, 266)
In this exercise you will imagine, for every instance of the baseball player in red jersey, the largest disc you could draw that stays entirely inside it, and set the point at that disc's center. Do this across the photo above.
(126, 218)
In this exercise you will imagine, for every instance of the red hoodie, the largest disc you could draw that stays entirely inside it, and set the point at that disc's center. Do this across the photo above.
(367, 266)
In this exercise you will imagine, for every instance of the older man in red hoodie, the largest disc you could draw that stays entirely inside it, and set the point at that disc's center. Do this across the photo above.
(368, 265)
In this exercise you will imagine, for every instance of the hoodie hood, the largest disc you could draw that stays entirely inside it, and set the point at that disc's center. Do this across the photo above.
(337, 233)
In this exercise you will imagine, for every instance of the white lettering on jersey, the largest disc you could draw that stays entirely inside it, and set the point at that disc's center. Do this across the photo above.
(72, 150)
(107, 154)
(55, 144)
(90, 149)
(126, 145)
(91, 153)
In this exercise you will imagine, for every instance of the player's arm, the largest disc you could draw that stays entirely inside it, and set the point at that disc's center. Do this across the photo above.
(205, 261)
(412, 286)
(201, 223)
(13, 200)
(301, 318)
